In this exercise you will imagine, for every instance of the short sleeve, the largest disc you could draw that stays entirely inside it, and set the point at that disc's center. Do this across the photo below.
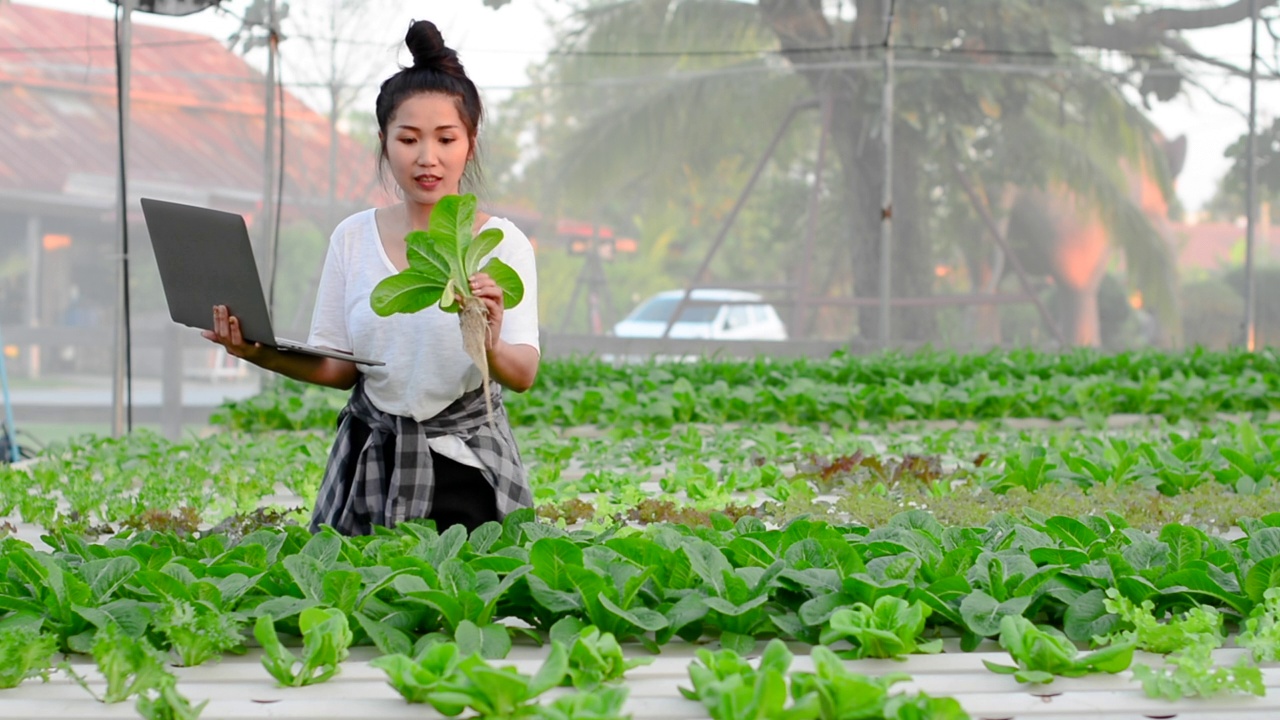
(520, 323)
(329, 319)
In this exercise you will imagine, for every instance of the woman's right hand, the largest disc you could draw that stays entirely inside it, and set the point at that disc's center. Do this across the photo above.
(226, 332)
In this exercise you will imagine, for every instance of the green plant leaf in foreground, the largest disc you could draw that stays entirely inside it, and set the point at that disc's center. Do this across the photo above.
(130, 665)
(326, 638)
(1191, 672)
(406, 292)
(1043, 653)
(25, 652)
(167, 703)
(442, 261)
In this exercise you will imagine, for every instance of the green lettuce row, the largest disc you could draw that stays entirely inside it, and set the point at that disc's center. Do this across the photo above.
(846, 389)
(736, 582)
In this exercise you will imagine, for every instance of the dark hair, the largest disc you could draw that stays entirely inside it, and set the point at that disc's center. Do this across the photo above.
(435, 69)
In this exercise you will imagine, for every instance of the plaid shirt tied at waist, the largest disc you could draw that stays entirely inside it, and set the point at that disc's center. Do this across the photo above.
(360, 491)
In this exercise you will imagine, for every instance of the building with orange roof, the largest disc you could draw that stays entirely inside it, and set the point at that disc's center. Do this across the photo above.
(196, 136)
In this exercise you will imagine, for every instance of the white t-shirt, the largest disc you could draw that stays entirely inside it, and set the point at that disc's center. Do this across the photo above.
(426, 368)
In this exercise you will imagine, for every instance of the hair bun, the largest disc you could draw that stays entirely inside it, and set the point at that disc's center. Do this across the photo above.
(426, 44)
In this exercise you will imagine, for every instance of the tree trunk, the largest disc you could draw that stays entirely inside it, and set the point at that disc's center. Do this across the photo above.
(801, 26)
(1080, 315)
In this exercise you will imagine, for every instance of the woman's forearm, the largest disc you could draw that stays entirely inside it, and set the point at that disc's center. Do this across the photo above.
(330, 372)
(514, 366)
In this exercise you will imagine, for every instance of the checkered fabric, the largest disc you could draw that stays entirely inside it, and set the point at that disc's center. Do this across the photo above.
(391, 477)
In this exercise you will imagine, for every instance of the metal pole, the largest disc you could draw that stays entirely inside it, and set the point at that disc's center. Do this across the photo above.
(269, 157)
(1251, 194)
(118, 419)
(886, 193)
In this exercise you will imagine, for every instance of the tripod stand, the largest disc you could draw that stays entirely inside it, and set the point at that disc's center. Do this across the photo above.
(10, 438)
(593, 280)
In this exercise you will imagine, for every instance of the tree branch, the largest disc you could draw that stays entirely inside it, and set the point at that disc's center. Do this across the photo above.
(1166, 19)
(1184, 49)
(1153, 26)
(799, 24)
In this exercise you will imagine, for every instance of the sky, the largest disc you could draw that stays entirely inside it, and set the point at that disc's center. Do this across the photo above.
(497, 45)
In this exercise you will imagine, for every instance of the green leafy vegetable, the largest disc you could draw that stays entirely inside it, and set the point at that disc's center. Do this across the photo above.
(25, 652)
(197, 631)
(604, 703)
(325, 640)
(844, 695)
(731, 689)
(1261, 633)
(130, 665)
(1199, 625)
(890, 629)
(1191, 672)
(441, 263)
(452, 683)
(167, 703)
(417, 680)
(596, 658)
(1043, 653)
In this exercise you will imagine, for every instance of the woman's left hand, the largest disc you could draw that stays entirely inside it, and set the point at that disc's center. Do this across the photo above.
(483, 287)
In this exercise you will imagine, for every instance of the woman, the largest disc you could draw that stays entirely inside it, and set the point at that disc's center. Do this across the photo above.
(413, 441)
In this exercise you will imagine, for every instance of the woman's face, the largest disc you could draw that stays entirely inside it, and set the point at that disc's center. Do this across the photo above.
(427, 147)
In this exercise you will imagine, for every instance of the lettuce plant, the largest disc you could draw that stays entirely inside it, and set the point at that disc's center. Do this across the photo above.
(441, 263)
(326, 638)
(25, 652)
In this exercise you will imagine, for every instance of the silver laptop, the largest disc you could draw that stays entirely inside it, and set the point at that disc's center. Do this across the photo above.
(205, 259)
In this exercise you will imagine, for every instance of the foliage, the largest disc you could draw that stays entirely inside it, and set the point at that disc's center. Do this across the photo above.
(441, 262)
(325, 639)
(130, 665)
(1191, 672)
(452, 683)
(1043, 653)
(25, 652)
(595, 658)
(1140, 627)
(1261, 632)
(846, 388)
(198, 631)
(889, 629)
(845, 695)
(1229, 202)
(166, 703)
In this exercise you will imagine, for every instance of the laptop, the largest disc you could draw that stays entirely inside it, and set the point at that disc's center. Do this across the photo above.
(205, 259)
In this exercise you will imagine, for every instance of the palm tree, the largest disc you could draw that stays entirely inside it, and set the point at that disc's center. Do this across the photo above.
(997, 94)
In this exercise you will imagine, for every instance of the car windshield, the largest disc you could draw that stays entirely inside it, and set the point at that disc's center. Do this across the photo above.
(660, 309)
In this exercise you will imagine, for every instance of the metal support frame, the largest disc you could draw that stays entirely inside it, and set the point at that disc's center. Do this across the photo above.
(733, 213)
(270, 166)
(886, 192)
(1000, 240)
(121, 386)
(593, 279)
(1251, 192)
(800, 313)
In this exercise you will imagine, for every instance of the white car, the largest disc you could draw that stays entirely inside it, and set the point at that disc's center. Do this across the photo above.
(709, 314)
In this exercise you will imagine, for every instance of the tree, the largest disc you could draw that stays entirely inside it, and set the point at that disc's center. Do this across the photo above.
(1037, 108)
(1228, 202)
